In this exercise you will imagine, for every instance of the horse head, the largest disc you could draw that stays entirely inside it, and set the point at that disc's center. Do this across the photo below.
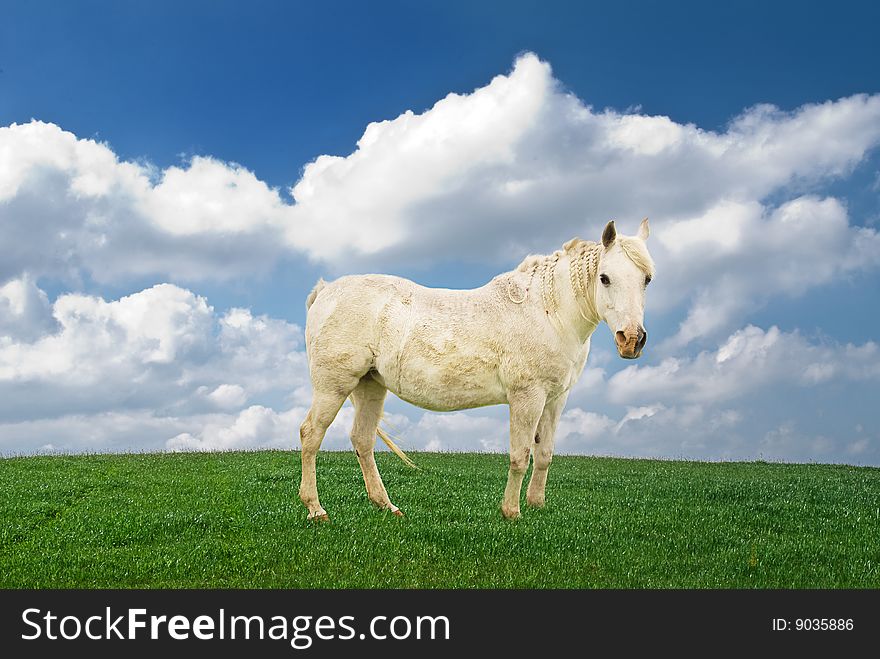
(624, 271)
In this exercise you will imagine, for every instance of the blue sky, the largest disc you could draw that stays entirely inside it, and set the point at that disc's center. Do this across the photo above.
(280, 83)
(154, 299)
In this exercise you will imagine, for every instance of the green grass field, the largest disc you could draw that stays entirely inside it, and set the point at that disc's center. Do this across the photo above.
(233, 520)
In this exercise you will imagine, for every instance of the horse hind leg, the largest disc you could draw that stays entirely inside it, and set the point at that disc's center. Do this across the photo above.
(325, 406)
(368, 399)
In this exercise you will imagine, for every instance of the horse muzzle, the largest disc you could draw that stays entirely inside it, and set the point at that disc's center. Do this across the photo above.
(631, 342)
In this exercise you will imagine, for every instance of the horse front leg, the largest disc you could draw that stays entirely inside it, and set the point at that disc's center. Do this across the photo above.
(542, 450)
(526, 406)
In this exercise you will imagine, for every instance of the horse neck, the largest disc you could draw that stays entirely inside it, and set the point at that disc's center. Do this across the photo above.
(577, 278)
(563, 284)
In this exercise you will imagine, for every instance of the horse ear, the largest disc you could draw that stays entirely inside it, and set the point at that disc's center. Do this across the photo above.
(644, 229)
(609, 234)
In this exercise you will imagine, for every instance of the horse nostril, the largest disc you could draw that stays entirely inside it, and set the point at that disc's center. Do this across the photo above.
(643, 339)
(620, 338)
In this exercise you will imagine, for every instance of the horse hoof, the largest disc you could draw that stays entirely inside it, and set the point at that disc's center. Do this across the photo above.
(323, 517)
(398, 512)
(535, 503)
(510, 514)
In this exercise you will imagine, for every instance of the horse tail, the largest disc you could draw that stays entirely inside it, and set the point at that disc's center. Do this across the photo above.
(317, 289)
(394, 447)
(390, 443)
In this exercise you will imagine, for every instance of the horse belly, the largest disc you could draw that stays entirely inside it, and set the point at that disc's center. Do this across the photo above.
(453, 382)
(450, 387)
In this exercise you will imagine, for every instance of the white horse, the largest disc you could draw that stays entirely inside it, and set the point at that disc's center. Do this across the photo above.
(522, 339)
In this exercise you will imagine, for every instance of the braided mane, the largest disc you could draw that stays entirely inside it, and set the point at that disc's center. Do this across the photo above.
(583, 259)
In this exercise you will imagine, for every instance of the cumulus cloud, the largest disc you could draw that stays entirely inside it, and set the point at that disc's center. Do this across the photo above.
(123, 430)
(517, 165)
(459, 431)
(69, 207)
(226, 395)
(658, 430)
(163, 348)
(738, 256)
(488, 176)
(580, 431)
(25, 312)
(258, 427)
(511, 173)
(739, 216)
(373, 195)
(749, 360)
(161, 370)
(254, 427)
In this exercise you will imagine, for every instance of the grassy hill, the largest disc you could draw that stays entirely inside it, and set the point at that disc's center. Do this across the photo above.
(233, 520)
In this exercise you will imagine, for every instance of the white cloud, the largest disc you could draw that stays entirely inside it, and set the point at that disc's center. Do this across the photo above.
(212, 197)
(163, 349)
(129, 430)
(259, 427)
(96, 338)
(750, 359)
(657, 430)
(372, 196)
(738, 256)
(25, 312)
(579, 431)
(69, 207)
(515, 166)
(636, 413)
(117, 380)
(228, 396)
(555, 167)
(146, 430)
(739, 217)
(254, 427)
(459, 431)
(160, 369)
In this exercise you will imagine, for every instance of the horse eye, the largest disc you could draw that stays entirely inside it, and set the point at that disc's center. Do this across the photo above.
(647, 280)
(604, 279)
